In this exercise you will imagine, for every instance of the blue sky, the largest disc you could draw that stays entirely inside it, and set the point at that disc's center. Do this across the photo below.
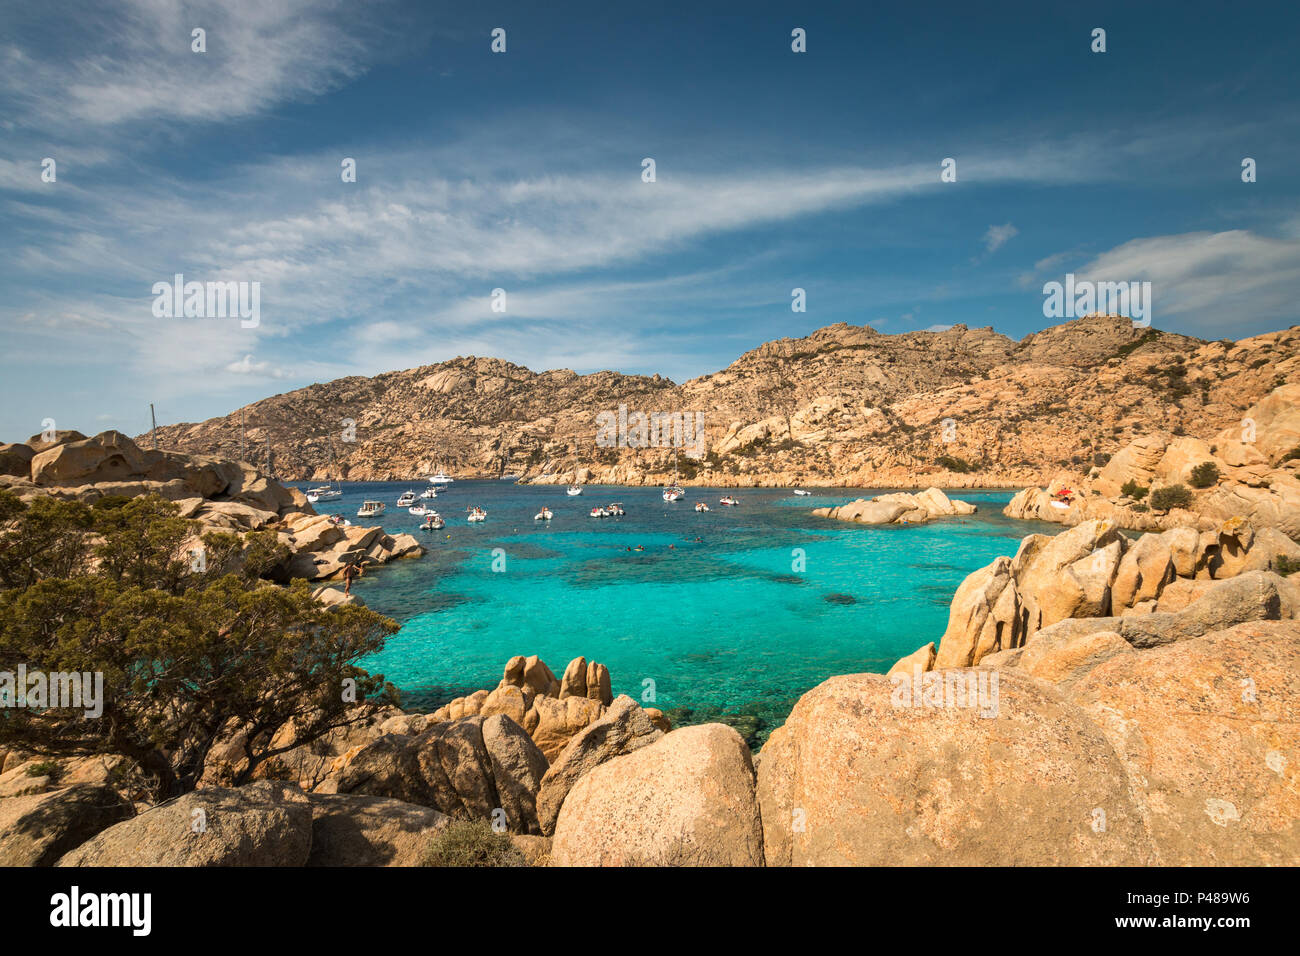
(522, 171)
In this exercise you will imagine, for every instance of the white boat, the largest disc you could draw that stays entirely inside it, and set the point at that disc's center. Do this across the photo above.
(418, 510)
(599, 512)
(429, 493)
(543, 515)
(674, 492)
(433, 522)
(728, 500)
(476, 514)
(574, 490)
(701, 506)
(330, 490)
(441, 478)
(408, 498)
(369, 509)
(801, 492)
(615, 510)
(340, 522)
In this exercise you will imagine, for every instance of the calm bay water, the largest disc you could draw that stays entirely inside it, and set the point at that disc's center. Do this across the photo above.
(726, 626)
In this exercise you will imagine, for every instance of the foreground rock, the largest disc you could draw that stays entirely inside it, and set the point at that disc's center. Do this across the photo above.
(1208, 730)
(898, 508)
(686, 799)
(356, 830)
(859, 777)
(625, 727)
(472, 766)
(263, 824)
(37, 829)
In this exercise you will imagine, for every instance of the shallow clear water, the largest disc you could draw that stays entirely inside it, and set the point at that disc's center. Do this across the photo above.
(732, 625)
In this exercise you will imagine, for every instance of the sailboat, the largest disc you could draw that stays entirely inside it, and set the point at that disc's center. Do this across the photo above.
(674, 492)
(328, 491)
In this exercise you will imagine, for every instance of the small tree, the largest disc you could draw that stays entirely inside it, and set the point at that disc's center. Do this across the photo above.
(1132, 489)
(184, 654)
(1174, 496)
(1205, 474)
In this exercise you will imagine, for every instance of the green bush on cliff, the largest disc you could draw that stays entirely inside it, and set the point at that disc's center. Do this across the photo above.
(1205, 474)
(188, 648)
(472, 843)
(1175, 496)
(952, 463)
(1131, 489)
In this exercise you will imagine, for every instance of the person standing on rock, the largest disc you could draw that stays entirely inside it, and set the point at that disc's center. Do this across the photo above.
(350, 573)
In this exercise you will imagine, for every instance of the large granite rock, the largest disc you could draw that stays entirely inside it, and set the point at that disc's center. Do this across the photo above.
(267, 823)
(359, 830)
(471, 766)
(1207, 731)
(862, 775)
(625, 727)
(686, 799)
(37, 829)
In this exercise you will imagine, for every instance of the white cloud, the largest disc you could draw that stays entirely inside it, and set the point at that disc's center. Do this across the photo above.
(1205, 278)
(997, 237)
(133, 60)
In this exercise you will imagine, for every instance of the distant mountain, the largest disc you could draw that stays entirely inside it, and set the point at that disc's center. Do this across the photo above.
(845, 405)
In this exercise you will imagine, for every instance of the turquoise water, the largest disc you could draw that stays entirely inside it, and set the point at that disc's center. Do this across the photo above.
(732, 626)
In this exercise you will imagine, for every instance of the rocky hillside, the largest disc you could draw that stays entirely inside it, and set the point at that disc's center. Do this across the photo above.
(846, 405)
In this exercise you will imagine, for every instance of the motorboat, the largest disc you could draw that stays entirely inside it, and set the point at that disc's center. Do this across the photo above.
(418, 510)
(543, 515)
(476, 514)
(574, 490)
(408, 498)
(340, 522)
(370, 509)
(599, 512)
(433, 522)
(801, 492)
(701, 506)
(728, 500)
(615, 510)
(441, 478)
(429, 493)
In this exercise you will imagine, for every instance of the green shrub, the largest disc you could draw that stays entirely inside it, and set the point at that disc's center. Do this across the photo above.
(1175, 496)
(1101, 459)
(1205, 474)
(472, 843)
(45, 768)
(1142, 507)
(1133, 490)
(954, 464)
(1285, 566)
